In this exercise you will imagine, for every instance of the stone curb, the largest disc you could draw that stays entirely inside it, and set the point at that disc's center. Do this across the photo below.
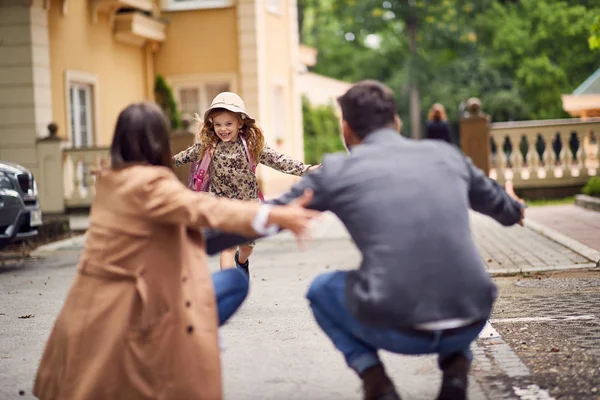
(587, 202)
(61, 244)
(516, 271)
(564, 240)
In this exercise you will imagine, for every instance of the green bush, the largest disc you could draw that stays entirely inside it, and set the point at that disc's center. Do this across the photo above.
(592, 187)
(321, 128)
(166, 101)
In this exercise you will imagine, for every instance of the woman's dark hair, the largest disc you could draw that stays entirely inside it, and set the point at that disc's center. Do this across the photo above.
(367, 106)
(141, 137)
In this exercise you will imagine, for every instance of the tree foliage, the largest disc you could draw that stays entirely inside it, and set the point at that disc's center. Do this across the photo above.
(321, 131)
(164, 98)
(594, 39)
(518, 56)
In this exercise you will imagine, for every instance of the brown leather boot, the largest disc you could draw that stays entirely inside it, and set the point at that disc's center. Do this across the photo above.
(455, 380)
(377, 385)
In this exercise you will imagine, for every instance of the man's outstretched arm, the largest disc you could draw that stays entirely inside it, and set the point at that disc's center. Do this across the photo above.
(217, 241)
(489, 198)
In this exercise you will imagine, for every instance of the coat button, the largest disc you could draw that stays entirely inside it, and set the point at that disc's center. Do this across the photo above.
(190, 329)
(188, 304)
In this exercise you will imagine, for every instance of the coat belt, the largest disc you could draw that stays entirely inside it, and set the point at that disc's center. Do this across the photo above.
(114, 272)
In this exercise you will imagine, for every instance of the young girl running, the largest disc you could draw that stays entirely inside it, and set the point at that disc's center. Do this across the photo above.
(235, 144)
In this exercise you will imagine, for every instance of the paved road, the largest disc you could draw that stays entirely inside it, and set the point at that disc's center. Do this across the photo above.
(274, 350)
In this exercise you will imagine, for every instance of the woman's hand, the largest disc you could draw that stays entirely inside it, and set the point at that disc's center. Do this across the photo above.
(295, 216)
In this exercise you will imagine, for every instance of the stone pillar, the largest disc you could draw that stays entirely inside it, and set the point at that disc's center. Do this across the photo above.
(475, 135)
(25, 96)
(50, 178)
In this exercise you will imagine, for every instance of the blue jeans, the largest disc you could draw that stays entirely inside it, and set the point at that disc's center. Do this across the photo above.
(231, 289)
(360, 342)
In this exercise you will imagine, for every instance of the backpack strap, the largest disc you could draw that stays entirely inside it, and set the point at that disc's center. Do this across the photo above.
(201, 179)
(252, 164)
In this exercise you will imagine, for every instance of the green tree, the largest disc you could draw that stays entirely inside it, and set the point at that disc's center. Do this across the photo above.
(412, 38)
(594, 39)
(321, 131)
(166, 101)
(518, 56)
(543, 44)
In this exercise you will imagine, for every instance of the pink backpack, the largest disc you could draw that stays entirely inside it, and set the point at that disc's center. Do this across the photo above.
(199, 178)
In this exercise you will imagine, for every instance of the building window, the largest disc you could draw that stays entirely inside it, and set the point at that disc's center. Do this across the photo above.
(196, 97)
(189, 100)
(80, 102)
(81, 90)
(177, 5)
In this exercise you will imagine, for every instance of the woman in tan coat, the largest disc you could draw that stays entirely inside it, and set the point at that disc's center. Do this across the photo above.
(140, 320)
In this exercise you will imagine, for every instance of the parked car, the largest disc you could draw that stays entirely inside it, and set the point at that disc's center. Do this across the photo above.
(20, 212)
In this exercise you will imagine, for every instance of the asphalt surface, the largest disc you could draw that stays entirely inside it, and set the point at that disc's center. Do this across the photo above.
(543, 342)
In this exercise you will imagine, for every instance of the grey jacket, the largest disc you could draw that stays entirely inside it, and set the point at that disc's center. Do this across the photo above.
(405, 203)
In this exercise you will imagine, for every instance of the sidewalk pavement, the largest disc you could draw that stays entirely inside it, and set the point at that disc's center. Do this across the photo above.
(575, 222)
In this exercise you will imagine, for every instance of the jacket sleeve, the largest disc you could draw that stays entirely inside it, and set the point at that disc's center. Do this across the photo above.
(487, 197)
(313, 181)
(217, 241)
(167, 200)
(191, 154)
(281, 162)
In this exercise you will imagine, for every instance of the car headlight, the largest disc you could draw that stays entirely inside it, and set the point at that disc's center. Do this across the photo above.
(5, 182)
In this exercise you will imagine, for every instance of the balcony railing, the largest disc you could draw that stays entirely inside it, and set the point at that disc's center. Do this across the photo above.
(552, 153)
(78, 180)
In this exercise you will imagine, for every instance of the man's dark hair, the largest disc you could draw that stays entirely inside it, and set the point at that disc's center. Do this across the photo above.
(141, 137)
(368, 106)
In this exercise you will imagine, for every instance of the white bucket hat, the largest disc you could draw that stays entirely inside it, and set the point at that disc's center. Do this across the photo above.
(228, 101)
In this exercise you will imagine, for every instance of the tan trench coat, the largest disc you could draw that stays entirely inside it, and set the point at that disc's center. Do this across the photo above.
(140, 320)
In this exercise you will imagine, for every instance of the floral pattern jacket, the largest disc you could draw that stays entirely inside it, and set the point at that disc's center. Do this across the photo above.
(230, 172)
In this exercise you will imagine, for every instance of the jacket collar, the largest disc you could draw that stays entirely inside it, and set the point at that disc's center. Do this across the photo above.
(382, 135)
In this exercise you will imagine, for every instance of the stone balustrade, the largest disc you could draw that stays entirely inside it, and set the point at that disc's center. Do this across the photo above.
(548, 153)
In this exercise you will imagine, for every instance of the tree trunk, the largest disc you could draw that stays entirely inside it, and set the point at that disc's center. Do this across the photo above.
(415, 102)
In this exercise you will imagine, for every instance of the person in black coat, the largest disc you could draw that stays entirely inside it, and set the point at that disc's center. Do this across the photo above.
(437, 125)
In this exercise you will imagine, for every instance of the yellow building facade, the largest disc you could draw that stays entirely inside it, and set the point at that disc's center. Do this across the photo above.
(78, 63)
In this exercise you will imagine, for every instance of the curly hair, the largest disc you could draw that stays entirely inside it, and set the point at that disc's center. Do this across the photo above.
(252, 133)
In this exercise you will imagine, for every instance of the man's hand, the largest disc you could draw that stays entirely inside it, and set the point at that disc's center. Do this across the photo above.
(522, 216)
(510, 190)
(294, 216)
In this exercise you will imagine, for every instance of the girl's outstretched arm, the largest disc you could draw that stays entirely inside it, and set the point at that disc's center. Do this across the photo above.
(282, 163)
(188, 155)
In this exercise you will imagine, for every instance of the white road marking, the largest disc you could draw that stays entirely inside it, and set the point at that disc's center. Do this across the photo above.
(532, 392)
(488, 332)
(559, 318)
